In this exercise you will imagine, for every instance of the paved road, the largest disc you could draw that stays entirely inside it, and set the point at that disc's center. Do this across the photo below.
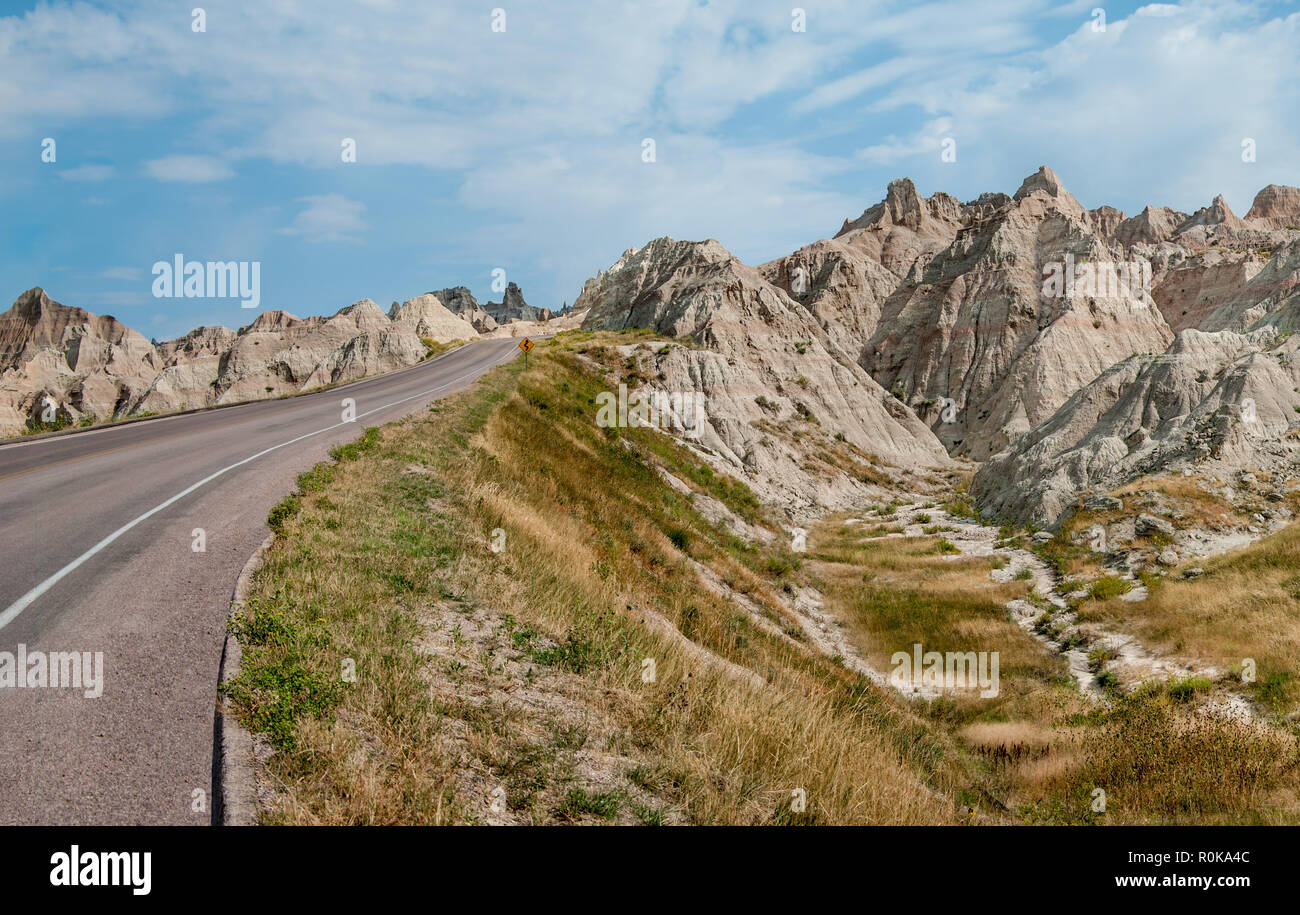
(95, 540)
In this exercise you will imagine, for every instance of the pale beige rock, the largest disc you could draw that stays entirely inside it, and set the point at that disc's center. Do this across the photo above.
(765, 367)
(432, 319)
(1219, 402)
(70, 364)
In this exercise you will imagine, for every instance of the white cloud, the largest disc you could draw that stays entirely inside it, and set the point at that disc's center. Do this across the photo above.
(89, 173)
(757, 126)
(122, 273)
(926, 141)
(328, 218)
(1153, 110)
(192, 169)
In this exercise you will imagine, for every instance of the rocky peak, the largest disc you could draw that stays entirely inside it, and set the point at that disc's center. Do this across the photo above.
(904, 207)
(363, 313)
(270, 322)
(1042, 180)
(30, 304)
(1043, 186)
(37, 322)
(431, 318)
(512, 307)
(1276, 206)
(458, 299)
(365, 307)
(1218, 213)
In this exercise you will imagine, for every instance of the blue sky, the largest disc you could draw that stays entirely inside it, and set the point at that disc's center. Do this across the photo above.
(522, 150)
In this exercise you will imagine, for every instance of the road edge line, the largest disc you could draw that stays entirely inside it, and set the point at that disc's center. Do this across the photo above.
(235, 784)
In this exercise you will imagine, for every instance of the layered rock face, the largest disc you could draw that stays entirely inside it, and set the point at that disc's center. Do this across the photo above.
(948, 301)
(61, 365)
(1010, 325)
(1276, 207)
(764, 366)
(1217, 402)
(1221, 395)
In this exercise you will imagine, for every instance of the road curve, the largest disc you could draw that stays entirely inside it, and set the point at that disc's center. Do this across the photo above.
(96, 531)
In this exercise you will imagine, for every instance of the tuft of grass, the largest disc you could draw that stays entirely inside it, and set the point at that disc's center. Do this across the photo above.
(350, 451)
(579, 803)
(1108, 587)
(285, 509)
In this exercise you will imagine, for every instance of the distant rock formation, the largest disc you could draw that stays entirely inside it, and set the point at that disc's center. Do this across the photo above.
(62, 366)
(488, 316)
(460, 301)
(512, 307)
(430, 318)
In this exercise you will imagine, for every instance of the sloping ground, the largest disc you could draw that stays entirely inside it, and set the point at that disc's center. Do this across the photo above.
(1171, 749)
(513, 686)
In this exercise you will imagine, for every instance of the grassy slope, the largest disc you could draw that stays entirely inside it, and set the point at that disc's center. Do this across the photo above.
(510, 687)
(1245, 606)
(1039, 748)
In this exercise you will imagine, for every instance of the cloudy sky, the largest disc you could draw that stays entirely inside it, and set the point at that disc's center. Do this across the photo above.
(523, 148)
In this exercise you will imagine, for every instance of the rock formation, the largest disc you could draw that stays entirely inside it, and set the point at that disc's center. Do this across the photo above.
(61, 366)
(430, 318)
(487, 316)
(1071, 350)
(1215, 402)
(512, 307)
(952, 307)
(773, 381)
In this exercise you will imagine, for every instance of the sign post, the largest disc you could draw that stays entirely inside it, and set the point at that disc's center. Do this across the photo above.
(527, 346)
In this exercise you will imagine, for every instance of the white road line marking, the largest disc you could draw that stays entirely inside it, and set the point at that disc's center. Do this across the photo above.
(11, 612)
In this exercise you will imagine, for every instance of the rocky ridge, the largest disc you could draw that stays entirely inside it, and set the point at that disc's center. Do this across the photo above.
(950, 308)
(64, 366)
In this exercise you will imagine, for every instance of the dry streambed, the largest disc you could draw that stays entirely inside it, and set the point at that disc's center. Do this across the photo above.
(1050, 619)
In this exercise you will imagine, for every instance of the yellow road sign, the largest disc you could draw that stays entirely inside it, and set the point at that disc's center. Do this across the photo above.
(525, 344)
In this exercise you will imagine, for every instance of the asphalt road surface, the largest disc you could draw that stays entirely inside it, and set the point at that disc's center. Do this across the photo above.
(96, 535)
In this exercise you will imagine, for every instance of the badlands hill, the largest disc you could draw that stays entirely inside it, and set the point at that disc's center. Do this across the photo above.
(1070, 349)
(61, 365)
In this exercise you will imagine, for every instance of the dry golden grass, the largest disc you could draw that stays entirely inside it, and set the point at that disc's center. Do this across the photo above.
(1199, 508)
(894, 592)
(469, 661)
(1246, 605)
(522, 670)
(1039, 750)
